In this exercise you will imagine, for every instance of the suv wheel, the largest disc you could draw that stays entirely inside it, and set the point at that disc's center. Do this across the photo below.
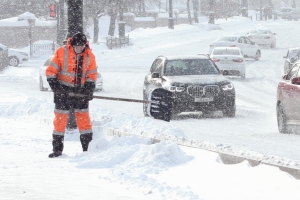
(257, 55)
(281, 119)
(13, 61)
(229, 111)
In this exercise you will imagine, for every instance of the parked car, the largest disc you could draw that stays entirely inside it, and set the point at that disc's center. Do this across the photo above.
(230, 61)
(44, 85)
(3, 57)
(288, 100)
(195, 82)
(263, 37)
(249, 48)
(293, 54)
(287, 13)
(15, 56)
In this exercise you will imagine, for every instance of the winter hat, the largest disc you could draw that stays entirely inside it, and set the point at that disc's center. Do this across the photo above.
(78, 39)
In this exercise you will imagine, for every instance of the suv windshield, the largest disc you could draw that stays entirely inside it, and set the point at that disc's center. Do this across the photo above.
(294, 54)
(190, 67)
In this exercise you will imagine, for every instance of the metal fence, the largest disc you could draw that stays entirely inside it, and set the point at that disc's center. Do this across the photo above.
(44, 49)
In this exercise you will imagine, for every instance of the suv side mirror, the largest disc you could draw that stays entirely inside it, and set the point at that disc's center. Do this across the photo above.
(293, 60)
(155, 75)
(296, 81)
(284, 76)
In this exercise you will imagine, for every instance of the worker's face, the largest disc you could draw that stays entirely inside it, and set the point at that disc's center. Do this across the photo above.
(78, 48)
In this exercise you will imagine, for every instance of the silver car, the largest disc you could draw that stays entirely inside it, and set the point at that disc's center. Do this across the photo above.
(263, 37)
(230, 61)
(293, 54)
(249, 48)
(15, 56)
(44, 85)
(287, 13)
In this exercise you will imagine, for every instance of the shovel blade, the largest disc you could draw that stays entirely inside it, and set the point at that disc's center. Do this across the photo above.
(161, 104)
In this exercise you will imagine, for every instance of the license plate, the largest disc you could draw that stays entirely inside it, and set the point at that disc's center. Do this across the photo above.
(205, 99)
(226, 61)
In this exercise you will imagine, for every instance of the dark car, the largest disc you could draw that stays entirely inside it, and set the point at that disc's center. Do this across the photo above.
(287, 13)
(288, 100)
(291, 57)
(195, 82)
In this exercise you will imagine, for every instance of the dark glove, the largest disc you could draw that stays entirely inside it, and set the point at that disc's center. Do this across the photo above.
(88, 90)
(61, 93)
(54, 84)
(88, 94)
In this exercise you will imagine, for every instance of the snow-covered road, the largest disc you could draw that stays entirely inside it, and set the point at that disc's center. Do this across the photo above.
(130, 168)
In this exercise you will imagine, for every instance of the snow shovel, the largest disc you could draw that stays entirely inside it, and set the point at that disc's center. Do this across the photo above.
(159, 105)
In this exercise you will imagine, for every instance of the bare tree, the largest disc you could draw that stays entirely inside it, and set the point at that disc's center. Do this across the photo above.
(189, 11)
(96, 25)
(113, 13)
(195, 6)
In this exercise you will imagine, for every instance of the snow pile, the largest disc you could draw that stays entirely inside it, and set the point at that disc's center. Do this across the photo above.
(134, 161)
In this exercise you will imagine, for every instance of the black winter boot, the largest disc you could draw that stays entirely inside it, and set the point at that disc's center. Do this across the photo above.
(85, 140)
(58, 146)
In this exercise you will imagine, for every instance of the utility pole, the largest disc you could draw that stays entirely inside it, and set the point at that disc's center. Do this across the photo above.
(260, 15)
(61, 33)
(75, 17)
(171, 19)
(75, 25)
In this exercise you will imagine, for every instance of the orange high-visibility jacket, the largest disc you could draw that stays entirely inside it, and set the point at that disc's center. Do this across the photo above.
(63, 66)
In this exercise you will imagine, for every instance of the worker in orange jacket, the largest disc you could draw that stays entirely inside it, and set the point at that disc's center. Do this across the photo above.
(72, 71)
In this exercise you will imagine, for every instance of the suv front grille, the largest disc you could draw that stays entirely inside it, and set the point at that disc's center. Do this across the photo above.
(200, 91)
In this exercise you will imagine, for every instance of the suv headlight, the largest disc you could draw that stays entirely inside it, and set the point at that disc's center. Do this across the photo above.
(174, 88)
(227, 87)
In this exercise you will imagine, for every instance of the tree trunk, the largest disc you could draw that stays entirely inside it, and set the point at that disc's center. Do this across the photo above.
(189, 11)
(96, 28)
(195, 11)
(144, 8)
(112, 24)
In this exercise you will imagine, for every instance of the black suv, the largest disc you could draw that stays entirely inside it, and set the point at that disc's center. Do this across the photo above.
(195, 82)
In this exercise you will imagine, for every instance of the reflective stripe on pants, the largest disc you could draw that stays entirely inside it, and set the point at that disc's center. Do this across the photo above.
(83, 121)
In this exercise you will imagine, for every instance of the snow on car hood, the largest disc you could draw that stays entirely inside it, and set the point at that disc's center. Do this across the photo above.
(16, 52)
(196, 79)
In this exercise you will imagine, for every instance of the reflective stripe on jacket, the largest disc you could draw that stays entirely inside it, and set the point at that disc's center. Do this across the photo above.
(63, 66)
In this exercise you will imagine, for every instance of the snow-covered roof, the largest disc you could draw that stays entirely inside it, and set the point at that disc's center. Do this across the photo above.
(22, 20)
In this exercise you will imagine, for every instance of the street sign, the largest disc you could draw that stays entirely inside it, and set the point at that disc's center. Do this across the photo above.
(52, 10)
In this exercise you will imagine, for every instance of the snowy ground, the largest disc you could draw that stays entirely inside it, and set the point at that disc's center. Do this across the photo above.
(131, 167)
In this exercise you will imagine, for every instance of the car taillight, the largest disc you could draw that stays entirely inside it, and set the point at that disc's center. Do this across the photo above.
(233, 45)
(237, 60)
(215, 60)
